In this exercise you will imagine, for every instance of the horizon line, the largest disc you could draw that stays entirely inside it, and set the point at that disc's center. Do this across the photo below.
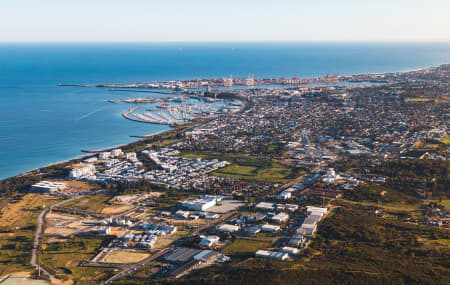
(231, 41)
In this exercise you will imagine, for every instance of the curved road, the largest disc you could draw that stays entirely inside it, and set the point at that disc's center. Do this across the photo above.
(38, 237)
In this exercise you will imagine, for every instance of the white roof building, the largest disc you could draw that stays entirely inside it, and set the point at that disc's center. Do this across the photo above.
(272, 254)
(270, 228)
(209, 240)
(85, 171)
(280, 218)
(290, 250)
(265, 206)
(310, 209)
(284, 195)
(48, 186)
(202, 203)
(228, 228)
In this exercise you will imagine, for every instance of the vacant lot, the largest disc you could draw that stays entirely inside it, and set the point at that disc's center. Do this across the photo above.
(18, 223)
(276, 173)
(65, 225)
(226, 206)
(95, 203)
(126, 256)
(446, 139)
(245, 246)
(24, 211)
(62, 259)
(79, 184)
(259, 168)
(116, 209)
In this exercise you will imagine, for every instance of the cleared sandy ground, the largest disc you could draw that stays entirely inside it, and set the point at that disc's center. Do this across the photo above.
(113, 210)
(125, 256)
(61, 224)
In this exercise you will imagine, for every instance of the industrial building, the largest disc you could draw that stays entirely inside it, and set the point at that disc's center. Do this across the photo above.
(202, 203)
(280, 218)
(270, 228)
(228, 228)
(48, 187)
(272, 254)
(209, 240)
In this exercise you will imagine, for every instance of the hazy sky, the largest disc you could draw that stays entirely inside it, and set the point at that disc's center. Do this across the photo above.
(228, 20)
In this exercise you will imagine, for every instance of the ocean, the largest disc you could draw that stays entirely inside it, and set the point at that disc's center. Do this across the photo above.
(41, 123)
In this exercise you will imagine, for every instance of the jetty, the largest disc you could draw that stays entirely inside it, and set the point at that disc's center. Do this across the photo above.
(125, 115)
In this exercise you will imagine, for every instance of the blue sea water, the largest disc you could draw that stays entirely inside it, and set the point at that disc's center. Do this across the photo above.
(41, 123)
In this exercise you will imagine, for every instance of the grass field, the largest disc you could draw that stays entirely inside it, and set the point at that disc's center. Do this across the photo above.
(95, 203)
(62, 259)
(24, 211)
(126, 256)
(247, 167)
(445, 202)
(18, 222)
(418, 99)
(387, 206)
(163, 242)
(79, 184)
(169, 141)
(245, 246)
(276, 173)
(116, 209)
(446, 139)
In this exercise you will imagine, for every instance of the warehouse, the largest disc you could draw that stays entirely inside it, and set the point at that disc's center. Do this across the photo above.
(270, 228)
(228, 228)
(202, 203)
(280, 218)
(272, 254)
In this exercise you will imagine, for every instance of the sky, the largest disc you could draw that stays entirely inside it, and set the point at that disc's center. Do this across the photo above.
(227, 20)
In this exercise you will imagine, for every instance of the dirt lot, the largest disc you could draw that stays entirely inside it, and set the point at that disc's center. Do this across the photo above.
(114, 210)
(65, 225)
(22, 213)
(226, 206)
(128, 199)
(126, 256)
(163, 242)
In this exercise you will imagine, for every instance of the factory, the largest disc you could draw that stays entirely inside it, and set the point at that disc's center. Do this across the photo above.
(202, 203)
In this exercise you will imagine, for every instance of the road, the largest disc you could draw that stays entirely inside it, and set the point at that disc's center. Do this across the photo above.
(37, 238)
(214, 222)
(135, 267)
(5, 202)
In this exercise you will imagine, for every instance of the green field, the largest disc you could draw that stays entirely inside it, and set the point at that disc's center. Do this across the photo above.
(245, 246)
(418, 99)
(17, 228)
(62, 258)
(95, 203)
(446, 139)
(169, 141)
(247, 167)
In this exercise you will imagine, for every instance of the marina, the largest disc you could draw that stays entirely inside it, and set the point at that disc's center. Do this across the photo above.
(180, 114)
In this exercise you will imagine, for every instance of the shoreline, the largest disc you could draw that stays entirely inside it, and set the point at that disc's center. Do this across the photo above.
(140, 138)
(90, 153)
